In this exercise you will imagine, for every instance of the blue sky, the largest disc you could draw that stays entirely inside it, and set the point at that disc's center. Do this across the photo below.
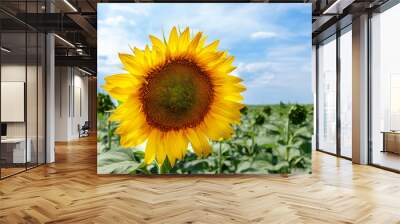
(271, 42)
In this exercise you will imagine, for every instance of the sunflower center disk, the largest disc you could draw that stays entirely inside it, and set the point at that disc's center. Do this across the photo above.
(176, 96)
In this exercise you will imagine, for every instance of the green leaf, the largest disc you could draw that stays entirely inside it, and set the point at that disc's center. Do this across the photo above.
(305, 148)
(244, 166)
(122, 167)
(268, 152)
(113, 157)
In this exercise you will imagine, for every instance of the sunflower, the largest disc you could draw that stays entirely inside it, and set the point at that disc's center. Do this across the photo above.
(177, 92)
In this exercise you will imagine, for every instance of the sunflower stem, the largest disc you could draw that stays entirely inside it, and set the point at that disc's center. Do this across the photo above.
(159, 169)
(109, 135)
(220, 158)
(287, 140)
(287, 131)
(252, 141)
(165, 167)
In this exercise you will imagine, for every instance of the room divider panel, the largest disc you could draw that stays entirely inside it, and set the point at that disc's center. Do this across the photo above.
(22, 78)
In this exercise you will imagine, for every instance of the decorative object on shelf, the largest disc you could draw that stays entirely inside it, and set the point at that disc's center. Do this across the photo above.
(391, 141)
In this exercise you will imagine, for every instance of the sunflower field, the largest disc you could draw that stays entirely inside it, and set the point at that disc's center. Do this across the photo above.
(269, 139)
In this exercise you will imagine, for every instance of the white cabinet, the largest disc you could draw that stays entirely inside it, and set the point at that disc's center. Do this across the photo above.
(19, 155)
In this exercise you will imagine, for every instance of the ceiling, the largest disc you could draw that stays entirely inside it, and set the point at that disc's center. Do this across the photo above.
(75, 23)
(331, 15)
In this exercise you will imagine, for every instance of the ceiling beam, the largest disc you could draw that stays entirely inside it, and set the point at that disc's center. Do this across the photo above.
(49, 22)
(83, 23)
(337, 7)
(78, 61)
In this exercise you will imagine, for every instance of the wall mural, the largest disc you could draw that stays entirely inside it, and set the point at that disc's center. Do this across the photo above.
(204, 88)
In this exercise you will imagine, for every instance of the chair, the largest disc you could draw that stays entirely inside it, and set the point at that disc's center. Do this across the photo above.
(84, 130)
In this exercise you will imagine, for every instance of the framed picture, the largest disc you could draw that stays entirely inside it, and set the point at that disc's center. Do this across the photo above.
(204, 88)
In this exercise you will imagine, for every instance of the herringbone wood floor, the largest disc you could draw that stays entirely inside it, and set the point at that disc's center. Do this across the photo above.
(69, 191)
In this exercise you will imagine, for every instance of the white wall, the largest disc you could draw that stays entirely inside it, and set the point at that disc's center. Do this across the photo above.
(385, 74)
(314, 90)
(33, 126)
(80, 110)
(14, 72)
(71, 102)
(62, 81)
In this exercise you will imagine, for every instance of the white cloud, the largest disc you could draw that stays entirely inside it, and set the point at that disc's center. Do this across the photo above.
(288, 51)
(135, 9)
(112, 40)
(280, 67)
(253, 67)
(112, 21)
(115, 21)
(262, 80)
(213, 20)
(262, 35)
(273, 69)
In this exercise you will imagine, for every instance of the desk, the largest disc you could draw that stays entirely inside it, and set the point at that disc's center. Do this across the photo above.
(391, 141)
(17, 152)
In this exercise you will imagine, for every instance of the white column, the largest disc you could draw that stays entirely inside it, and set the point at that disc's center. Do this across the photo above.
(50, 92)
(314, 90)
(50, 100)
(360, 89)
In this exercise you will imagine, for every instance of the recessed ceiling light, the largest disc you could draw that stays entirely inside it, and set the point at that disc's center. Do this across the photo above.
(84, 71)
(5, 50)
(64, 40)
(70, 5)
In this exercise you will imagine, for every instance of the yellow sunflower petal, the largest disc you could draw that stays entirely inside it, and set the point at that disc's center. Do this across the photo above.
(205, 59)
(135, 125)
(129, 109)
(147, 56)
(224, 65)
(235, 97)
(181, 144)
(132, 64)
(141, 61)
(230, 89)
(231, 114)
(226, 80)
(121, 94)
(184, 40)
(121, 86)
(173, 41)
(160, 152)
(150, 151)
(122, 80)
(172, 153)
(216, 129)
(170, 147)
(199, 142)
(201, 43)
(132, 139)
(168, 138)
(210, 48)
(228, 105)
(157, 43)
(195, 42)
